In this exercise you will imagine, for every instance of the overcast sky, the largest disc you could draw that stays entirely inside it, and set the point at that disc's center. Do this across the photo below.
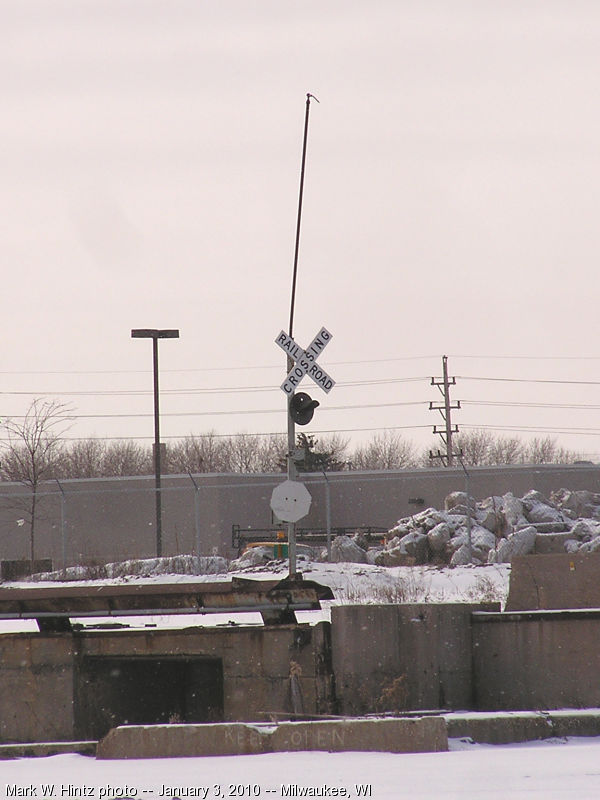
(150, 156)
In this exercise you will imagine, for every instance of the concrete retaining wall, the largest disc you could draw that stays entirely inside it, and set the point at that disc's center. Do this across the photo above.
(36, 687)
(44, 695)
(396, 657)
(536, 659)
(371, 659)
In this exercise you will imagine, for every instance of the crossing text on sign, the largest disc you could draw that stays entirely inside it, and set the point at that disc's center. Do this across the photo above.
(306, 361)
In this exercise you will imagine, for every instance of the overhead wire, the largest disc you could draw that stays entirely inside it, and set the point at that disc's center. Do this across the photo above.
(209, 390)
(222, 390)
(527, 380)
(234, 435)
(252, 367)
(227, 413)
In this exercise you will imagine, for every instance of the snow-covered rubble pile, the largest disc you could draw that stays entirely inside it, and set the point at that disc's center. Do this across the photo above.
(142, 567)
(501, 527)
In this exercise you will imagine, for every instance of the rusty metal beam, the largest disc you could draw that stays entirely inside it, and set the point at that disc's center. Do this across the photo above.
(276, 600)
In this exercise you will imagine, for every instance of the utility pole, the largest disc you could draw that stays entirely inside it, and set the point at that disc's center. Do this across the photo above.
(445, 432)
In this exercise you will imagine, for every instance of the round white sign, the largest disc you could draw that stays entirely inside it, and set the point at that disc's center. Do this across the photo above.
(290, 501)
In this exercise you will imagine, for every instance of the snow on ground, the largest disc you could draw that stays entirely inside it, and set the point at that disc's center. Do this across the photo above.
(351, 583)
(363, 583)
(552, 770)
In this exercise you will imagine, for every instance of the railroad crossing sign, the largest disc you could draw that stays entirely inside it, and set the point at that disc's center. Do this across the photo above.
(306, 361)
(290, 501)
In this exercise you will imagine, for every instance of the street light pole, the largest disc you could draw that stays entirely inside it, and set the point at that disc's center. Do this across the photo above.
(156, 334)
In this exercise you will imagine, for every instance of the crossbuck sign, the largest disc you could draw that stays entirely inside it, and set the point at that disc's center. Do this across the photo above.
(306, 361)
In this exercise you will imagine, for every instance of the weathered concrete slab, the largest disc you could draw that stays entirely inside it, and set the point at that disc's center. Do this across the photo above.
(392, 735)
(500, 727)
(521, 726)
(556, 580)
(575, 722)
(43, 749)
(36, 688)
(396, 657)
(536, 659)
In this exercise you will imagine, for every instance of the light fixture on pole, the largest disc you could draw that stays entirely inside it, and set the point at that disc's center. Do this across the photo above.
(155, 335)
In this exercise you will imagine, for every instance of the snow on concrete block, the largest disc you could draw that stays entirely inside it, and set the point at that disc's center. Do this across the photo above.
(456, 519)
(372, 554)
(439, 537)
(490, 518)
(540, 512)
(253, 557)
(427, 519)
(415, 545)
(590, 547)
(461, 557)
(344, 549)
(520, 543)
(458, 499)
(489, 514)
(552, 542)
(394, 557)
(391, 735)
(482, 538)
(585, 530)
(399, 530)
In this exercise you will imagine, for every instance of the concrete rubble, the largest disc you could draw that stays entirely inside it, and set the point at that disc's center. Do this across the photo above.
(502, 527)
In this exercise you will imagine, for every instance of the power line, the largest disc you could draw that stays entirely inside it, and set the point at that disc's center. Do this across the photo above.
(524, 404)
(528, 380)
(534, 429)
(530, 358)
(72, 417)
(205, 369)
(211, 390)
(232, 435)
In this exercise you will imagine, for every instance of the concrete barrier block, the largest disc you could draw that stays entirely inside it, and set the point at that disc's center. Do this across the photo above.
(500, 727)
(394, 735)
(575, 722)
(554, 581)
(388, 735)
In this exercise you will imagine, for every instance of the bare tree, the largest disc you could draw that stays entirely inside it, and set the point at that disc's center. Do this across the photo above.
(546, 450)
(481, 447)
(125, 457)
(271, 453)
(197, 454)
(82, 459)
(32, 452)
(506, 450)
(387, 450)
(241, 453)
(476, 446)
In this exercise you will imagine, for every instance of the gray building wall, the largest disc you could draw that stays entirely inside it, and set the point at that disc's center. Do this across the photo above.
(113, 519)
